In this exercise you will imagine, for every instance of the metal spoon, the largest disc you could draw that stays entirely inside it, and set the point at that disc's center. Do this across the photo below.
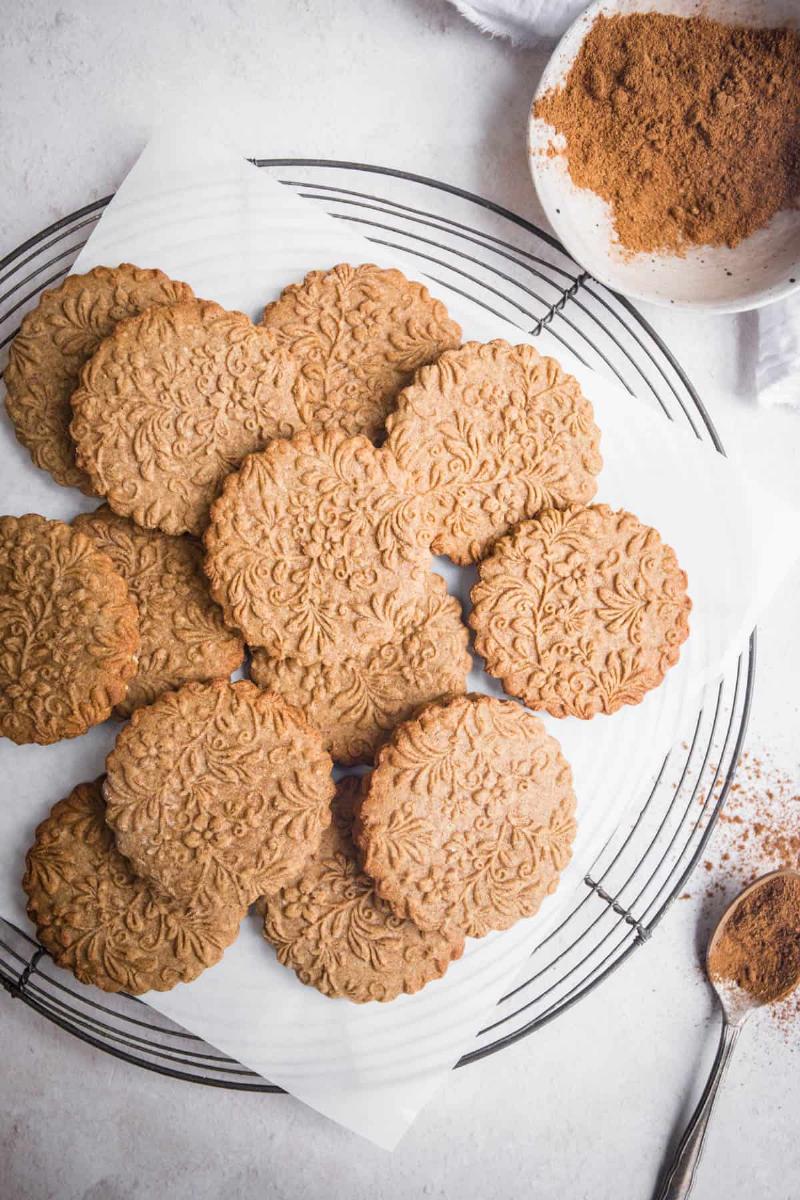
(737, 1006)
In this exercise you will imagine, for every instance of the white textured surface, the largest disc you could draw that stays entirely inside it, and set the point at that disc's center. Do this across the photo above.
(586, 1106)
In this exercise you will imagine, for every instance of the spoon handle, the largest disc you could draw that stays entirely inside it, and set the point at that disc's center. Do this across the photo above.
(677, 1183)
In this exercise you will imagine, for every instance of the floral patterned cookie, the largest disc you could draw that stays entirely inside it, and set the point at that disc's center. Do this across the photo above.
(358, 334)
(171, 402)
(218, 791)
(489, 434)
(402, 656)
(54, 342)
(469, 816)
(98, 920)
(306, 537)
(69, 632)
(580, 611)
(182, 632)
(332, 928)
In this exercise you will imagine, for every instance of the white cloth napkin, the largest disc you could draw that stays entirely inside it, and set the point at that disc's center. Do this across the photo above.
(778, 358)
(523, 21)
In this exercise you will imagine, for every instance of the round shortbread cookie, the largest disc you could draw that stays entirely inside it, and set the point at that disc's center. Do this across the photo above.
(54, 342)
(490, 434)
(218, 791)
(94, 917)
(580, 611)
(469, 816)
(69, 632)
(171, 403)
(402, 656)
(334, 931)
(307, 538)
(357, 335)
(183, 637)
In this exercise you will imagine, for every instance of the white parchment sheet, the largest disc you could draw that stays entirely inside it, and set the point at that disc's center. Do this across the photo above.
(201, 213)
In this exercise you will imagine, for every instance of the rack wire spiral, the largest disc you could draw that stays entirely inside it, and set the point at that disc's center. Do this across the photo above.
(518, 272)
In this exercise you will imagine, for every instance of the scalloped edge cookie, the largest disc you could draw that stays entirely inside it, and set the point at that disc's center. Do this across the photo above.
(60, 700)
(490, 434)
(357, 333)
(468, 819)
(99, 921)
(54, 342)
(303, 539)
(218, 790)
(580, 611)
(171, 402)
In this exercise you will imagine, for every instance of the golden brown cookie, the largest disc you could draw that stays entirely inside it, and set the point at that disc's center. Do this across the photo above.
(171, 402)
(581, 611)
(334, 931)
(183, 636)
(69, 632)
(98, 920)
(305, 538)
(402, 657)
(489, 434)
(218, 790)
(358, 334)
(54, 342)
(469, 816)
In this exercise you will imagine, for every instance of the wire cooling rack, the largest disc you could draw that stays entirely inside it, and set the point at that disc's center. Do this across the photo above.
(518, 272)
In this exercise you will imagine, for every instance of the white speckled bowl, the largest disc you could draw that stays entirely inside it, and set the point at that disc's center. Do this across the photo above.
(763, 268)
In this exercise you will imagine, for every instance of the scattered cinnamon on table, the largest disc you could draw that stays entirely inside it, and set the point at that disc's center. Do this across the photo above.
(758, 831)
(688, 128)
(758, 828)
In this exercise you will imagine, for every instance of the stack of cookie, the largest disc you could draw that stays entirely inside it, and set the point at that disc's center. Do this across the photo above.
(323, 456)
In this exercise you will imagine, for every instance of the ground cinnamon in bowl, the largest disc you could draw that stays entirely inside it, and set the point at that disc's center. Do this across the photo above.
(688, 128)
(759, 947)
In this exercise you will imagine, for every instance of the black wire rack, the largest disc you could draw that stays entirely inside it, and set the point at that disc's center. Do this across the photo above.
(516, 271)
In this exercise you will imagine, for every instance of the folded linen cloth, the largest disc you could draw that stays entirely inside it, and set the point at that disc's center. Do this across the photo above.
(777, 374)
(525, 22)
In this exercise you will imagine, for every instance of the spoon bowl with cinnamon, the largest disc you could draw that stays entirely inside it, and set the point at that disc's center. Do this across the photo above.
(753, 959)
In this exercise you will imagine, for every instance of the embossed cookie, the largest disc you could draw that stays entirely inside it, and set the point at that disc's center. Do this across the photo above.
(489, 434)
(183, 636)
(469, 816)
(218, 791)
(402, 656)
(98, 920)
(332, 928)
(306, 538)
(69, 632)
(54, 342)
(580, 611)
(171, 402)
(358, 334)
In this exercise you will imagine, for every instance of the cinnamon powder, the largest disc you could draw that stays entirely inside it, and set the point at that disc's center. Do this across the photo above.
(688, 128)
(758, 831)
(759, 947)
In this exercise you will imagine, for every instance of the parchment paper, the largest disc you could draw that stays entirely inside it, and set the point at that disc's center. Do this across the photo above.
(200, 212)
